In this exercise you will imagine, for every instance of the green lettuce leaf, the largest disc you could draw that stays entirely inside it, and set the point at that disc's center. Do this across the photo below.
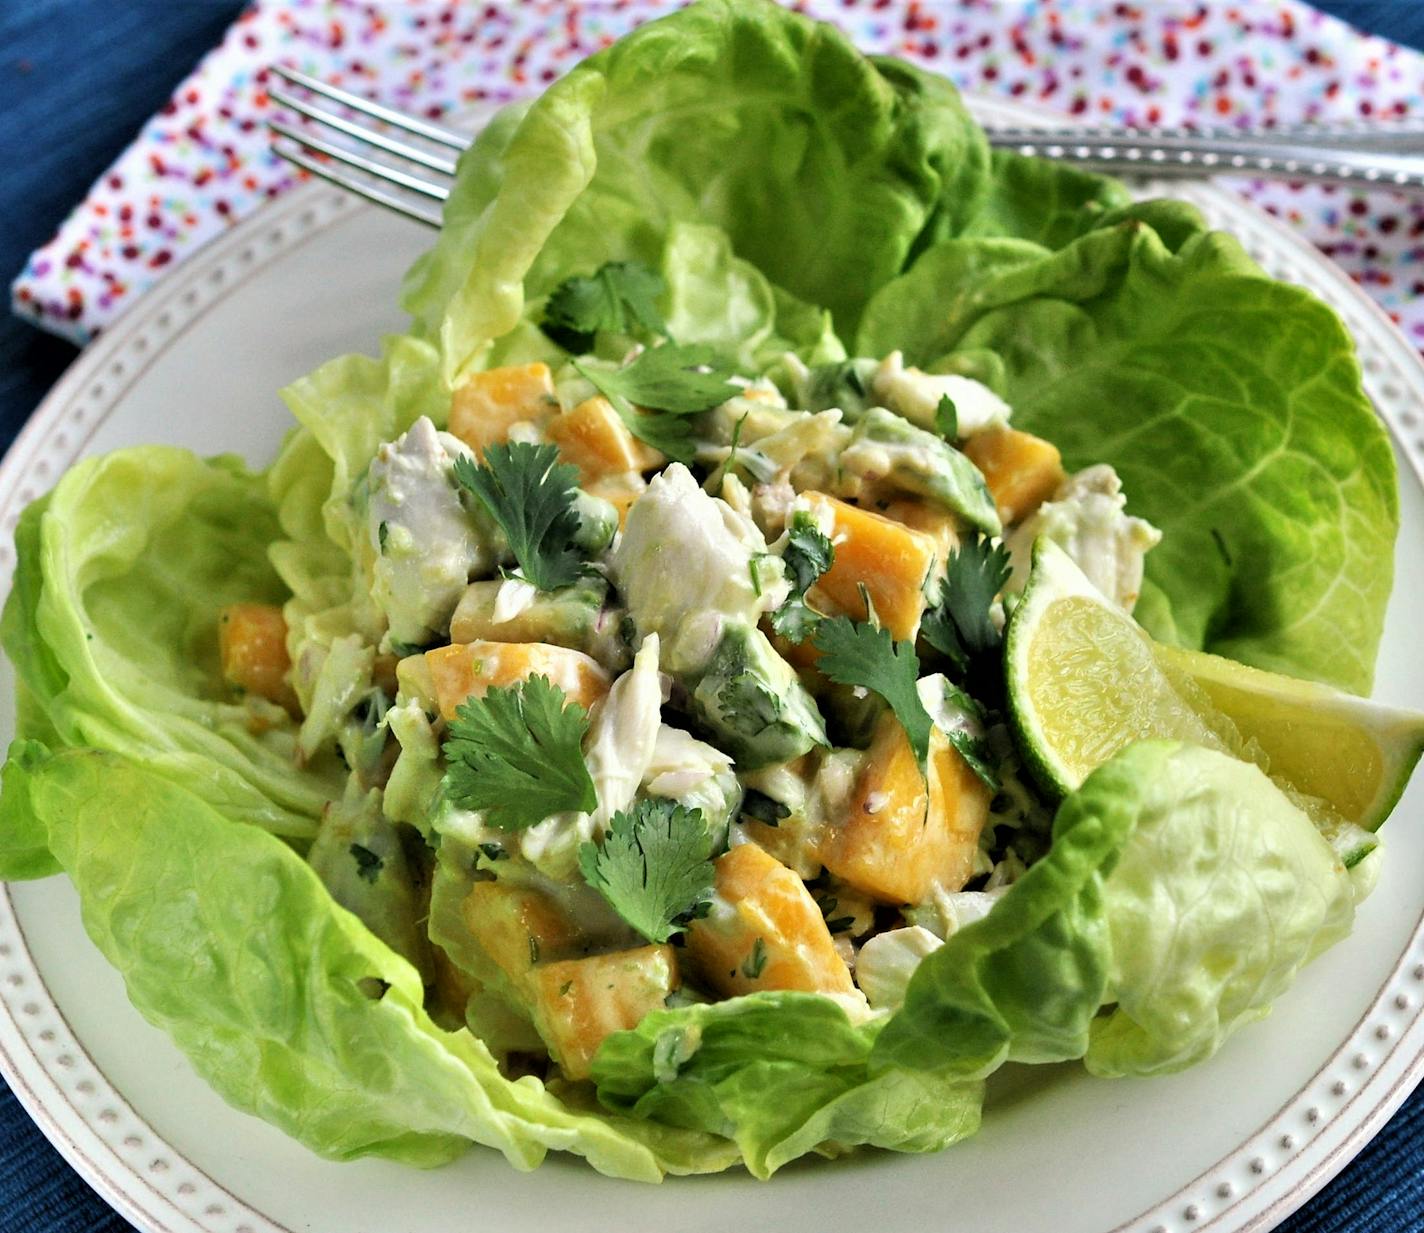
(824, 168)
(780, 1074)
(1182, 888)
(1042, 201)
(1224, 893)
(1229, 404)
(717, 299)
(112, 628)
(24, 840)
(286, 1003)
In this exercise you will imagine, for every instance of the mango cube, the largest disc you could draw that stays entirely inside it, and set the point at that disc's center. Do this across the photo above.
(1021, 470)
(252, 645)
(469, 669)
(580, 1002)
(487, 404)
(595, 439)
(764, 932)
(903, 836)
(517, 927)
(890, 560)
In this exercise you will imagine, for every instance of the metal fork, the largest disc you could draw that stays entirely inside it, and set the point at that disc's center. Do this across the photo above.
(405, 163)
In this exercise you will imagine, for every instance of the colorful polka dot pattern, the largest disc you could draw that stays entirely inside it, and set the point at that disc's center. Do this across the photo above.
(203, 162)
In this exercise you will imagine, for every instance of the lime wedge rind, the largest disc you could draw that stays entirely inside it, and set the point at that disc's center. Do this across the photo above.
(1259, 701)
(1075, 662)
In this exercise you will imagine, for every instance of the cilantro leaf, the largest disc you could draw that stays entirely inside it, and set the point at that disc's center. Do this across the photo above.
(960, 624)
(755, 962)
(661, 384)
(938, 629)
(619, 296)
(809, 551)
(858, 653)
(809, 554)
(976, 573)
(677, 380)
(975, 752)
(666, 433)
(530, 493)
(947, 419)
(654, 867)
(517, 754)
(973, 749)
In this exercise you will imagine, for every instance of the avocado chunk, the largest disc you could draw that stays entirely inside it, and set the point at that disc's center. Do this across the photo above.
(752, 704)
(579, 617)
(359, 856)
(888, 452)
(844, 385)
(598, 522)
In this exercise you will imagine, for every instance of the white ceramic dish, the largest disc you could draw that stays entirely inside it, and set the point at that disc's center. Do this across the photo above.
(1232, 1145)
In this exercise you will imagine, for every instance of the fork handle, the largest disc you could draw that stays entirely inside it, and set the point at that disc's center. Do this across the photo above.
(1187, 154)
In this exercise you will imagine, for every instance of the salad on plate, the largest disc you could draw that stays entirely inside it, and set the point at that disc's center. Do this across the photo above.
(809, 613)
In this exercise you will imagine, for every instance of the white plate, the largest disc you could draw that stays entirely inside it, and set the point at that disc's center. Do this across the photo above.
(1234, 1144)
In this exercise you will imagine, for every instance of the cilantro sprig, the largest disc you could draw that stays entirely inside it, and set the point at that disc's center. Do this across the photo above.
(530, 494)
(809, 554)
(517, 754)
(619, 297)
(667, 382)
(960, 625)
(654, 867)
(858, 653)
(973, 749)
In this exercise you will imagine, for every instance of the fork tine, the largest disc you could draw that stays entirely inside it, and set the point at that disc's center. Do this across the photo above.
(381, 171)
(369, 136)
(422, 128)
(362, 188)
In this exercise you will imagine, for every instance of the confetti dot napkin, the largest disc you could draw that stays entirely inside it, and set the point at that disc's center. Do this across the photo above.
(203, 162)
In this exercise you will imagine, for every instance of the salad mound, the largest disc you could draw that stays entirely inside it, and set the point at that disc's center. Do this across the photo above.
(700, 696)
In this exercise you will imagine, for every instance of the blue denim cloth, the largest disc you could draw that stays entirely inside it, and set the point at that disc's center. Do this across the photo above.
(77, 79)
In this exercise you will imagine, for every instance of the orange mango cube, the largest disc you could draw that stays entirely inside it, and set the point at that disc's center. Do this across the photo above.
(595, 439)
(486, 405)
(580, 1002)
(904, 836)
(889, 559)
(767, 932)
(939, 524)
(517, 927)
(469, 669)
(252, 645)
(1021, 470)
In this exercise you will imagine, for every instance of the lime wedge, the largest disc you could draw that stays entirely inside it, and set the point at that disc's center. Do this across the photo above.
(1354, 754)
(1084, 681)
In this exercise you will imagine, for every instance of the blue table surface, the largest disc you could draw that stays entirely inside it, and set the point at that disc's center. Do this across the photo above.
(56, 58)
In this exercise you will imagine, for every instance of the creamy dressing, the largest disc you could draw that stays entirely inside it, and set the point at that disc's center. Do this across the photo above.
(427, 548)
(623, 735)
(683, 563)
(514, 598)
(915, 395)
(1088, 519)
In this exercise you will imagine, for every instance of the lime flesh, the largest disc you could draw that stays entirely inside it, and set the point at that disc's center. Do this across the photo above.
(1085, 681)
